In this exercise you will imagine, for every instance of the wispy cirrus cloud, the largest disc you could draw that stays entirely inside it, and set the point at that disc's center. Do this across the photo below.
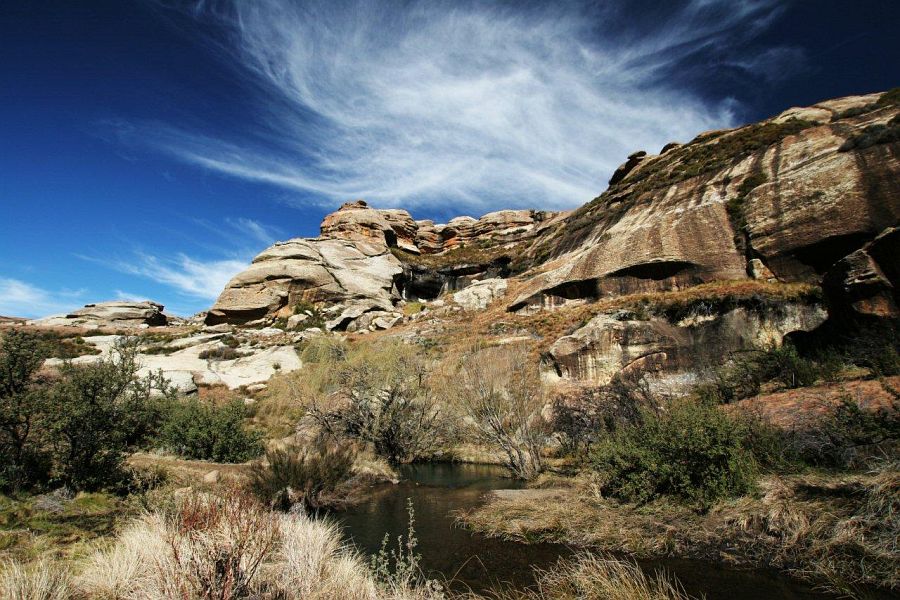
(22, 299)
(190, 276)
(471, 104)
(203, 279)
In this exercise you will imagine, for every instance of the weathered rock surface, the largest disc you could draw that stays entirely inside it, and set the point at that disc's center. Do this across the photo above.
(185, 370)
(329, 271)
(780, 193)
(350, 270)
(110, 314)
(867, 281)
(618, 343)
(480, 294)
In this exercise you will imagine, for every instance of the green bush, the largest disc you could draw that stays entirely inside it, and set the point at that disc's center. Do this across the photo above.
(206, 432)
(690, 452)
(847, 435)
(75, 429)
(743, 375)
(306, 477)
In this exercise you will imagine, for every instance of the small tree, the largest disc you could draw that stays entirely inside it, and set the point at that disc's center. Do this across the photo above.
(501, 393)
(99, 412)
(24, 461)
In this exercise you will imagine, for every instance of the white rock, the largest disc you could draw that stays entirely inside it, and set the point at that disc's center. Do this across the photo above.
(480, 294)
(295, 321)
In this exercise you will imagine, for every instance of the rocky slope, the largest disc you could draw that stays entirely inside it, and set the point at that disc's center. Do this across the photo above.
(782, 199)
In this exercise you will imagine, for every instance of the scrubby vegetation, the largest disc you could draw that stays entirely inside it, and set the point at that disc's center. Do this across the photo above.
(873, 135)
(221, 353)
(73, 428)
(500, 390)
(199, 430)
(377, 394)
(306, 477)
(313, 312)
(687, 451)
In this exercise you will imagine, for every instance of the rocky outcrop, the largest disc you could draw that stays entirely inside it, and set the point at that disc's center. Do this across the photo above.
(480, 294)
(351, 271)
(867, 281)
(110, 315)
(338, 274)
(355, 221)
(778, 199)
(620, 342)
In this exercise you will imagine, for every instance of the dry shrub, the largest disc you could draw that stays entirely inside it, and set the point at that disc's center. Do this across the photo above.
(206, 547)
(593, 577)
(307, 477)
(500, 391)
(217, 545)
(46, 580)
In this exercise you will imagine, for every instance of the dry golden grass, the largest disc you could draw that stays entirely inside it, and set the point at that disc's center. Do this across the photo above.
(43, 580)
(224, 547)
(594, 577)
(840, 530)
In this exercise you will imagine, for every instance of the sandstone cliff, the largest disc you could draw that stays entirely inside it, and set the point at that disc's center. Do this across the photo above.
(784, 198)
(809, 195)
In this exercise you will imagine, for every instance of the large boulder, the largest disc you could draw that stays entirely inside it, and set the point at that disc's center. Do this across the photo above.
(110, 315)
(324, 271)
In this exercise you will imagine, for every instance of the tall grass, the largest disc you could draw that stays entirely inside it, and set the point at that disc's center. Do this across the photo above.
(595, 577)
(45, 580)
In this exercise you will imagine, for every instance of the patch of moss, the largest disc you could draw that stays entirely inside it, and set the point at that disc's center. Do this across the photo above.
(30, 526)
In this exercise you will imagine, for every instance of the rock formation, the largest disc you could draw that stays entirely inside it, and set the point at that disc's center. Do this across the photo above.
(351, 270)
(781, 198)
(809, 195)
(622, 342)
(110, 315)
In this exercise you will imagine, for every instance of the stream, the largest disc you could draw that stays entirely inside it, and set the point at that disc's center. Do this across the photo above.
(472, 561)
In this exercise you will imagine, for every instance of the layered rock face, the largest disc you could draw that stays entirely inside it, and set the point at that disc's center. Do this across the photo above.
(610, 344)
(111, 315)
(785, 199)
(810, 192)
(351, 271)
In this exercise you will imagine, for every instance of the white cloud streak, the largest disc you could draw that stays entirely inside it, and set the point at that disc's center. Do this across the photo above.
(437, 104)
(203, 279)
(22, 299)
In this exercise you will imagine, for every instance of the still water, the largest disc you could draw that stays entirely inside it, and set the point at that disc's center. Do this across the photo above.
(471, 561)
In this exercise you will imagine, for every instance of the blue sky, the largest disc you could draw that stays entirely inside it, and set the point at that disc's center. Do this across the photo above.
(150, 149)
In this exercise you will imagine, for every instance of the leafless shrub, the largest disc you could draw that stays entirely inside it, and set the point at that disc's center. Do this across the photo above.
(217, 545)
(501, 393)
(379, 394)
